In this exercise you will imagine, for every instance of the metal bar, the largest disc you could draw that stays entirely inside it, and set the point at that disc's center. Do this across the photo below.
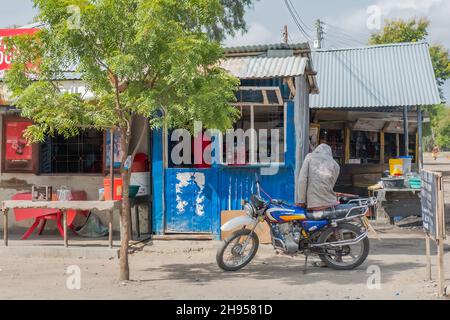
(342, 243)
(405, 131)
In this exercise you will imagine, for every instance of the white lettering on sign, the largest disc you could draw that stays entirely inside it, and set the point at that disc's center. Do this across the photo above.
(4, 56)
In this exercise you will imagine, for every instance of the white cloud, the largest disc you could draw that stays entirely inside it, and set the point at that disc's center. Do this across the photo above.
(257, 34)
(437, 11)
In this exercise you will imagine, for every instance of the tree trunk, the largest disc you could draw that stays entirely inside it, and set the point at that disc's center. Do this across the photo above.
(125, 217)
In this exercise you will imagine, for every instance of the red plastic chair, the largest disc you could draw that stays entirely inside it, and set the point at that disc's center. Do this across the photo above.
(43, 215)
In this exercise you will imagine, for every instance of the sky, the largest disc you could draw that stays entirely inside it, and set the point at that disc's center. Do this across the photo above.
(346, 20)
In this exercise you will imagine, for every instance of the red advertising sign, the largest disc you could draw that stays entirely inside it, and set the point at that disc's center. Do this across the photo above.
(6, 59)
(17, 147)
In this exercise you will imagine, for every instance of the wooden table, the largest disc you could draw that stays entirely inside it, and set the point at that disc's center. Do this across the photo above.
(64, 206)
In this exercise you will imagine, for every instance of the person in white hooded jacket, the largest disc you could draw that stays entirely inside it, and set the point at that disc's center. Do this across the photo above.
(316, 180)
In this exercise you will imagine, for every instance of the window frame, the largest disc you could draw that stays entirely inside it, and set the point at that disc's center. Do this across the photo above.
(102, 172)
(252, 123)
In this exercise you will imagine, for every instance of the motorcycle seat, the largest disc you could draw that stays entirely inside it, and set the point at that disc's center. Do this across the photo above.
(333, 213)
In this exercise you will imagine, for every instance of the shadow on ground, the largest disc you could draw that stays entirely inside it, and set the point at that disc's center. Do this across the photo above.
(287, 271)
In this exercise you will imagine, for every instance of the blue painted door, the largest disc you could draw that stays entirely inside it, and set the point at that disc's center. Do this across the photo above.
(190, 200)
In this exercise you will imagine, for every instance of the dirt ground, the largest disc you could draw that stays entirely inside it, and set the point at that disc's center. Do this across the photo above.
(187, 270)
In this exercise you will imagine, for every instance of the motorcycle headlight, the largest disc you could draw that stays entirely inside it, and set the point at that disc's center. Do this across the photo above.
(249, 209)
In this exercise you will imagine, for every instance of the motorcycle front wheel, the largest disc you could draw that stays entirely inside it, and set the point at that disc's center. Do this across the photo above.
(231, 256)
(346, 257)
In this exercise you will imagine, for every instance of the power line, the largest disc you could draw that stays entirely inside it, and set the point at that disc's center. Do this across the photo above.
(344, 38)
(296, 21)
(343, 34)
(347, 42)
(300, 18)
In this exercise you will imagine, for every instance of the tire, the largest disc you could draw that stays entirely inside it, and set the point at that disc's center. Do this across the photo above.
(332, 263)
(220, 252)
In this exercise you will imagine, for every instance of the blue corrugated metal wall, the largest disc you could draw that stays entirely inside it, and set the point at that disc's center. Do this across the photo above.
(191, 200)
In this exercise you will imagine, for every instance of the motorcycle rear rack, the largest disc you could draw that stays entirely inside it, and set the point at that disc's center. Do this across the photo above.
(358, 239)
(362, 204)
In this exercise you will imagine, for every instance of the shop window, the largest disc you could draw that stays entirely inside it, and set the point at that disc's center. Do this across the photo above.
(259, 118)
(412, 146)
(365, 147)
(394, 148)
(390, 146)
(335, 139)
(264, 120)
(82, 154)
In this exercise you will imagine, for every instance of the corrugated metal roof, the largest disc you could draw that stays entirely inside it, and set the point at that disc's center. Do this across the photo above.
(267, 47)
(264, 67)
(376, 76)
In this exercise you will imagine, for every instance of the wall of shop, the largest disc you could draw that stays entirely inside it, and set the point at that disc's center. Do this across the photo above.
(13, 183)
(191, 200)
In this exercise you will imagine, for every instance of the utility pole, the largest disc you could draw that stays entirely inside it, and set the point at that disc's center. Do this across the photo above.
(285, 35)
(319, 35)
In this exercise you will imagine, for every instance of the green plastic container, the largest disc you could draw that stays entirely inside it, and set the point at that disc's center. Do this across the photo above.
(415, 183)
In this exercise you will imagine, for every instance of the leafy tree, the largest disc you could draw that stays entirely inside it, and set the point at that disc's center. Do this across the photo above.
(139, 57)
(396, 31)
(443, 129)
(415, 30)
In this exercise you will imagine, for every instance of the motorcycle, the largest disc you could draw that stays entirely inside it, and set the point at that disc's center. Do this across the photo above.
(339, 236)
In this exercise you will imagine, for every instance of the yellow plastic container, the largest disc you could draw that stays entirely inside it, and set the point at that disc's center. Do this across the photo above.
(396, 167)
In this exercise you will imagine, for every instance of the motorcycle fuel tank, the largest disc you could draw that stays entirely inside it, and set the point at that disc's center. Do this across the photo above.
(286, 213)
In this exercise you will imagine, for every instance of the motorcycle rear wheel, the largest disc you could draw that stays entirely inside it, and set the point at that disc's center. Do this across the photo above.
(337, 262)
(234, 242)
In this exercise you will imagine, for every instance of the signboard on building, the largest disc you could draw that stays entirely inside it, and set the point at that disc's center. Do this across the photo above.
(5, 57)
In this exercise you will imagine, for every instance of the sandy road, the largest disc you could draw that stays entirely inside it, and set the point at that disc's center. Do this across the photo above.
(187, 270)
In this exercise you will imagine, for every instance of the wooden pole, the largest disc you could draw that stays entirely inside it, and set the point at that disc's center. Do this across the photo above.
(111, 216)
(347, 145)
(5, 226)
(66, 241)
(428, 256)
(440, 235)
(441, 273)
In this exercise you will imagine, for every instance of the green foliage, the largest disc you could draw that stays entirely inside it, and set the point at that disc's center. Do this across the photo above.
(443, 129)
(415, 30)
(232, 19)
(396, 31)
(136, 56)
